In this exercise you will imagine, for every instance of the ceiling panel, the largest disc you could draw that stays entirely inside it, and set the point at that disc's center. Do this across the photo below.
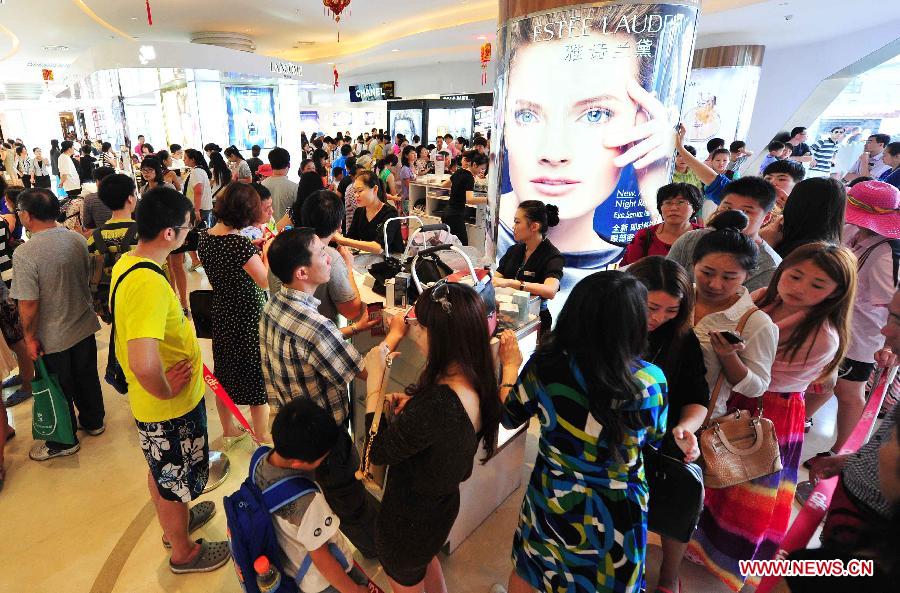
(423, 31)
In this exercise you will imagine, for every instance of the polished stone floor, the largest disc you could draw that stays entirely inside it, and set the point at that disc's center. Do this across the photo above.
(84, 524)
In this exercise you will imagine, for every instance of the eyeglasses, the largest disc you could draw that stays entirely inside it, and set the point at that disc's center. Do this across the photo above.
(182, 228)
(676, 202)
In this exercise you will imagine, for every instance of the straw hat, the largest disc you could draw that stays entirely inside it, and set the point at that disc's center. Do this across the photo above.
(875, 205)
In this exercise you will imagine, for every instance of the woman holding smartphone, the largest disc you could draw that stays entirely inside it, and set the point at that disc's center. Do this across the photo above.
(722, 261)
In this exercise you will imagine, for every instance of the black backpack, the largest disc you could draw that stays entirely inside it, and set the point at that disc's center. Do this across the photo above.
(102, 262)
(115, 375)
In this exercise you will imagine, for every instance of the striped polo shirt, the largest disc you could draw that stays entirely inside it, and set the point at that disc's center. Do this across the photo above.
(823, 151)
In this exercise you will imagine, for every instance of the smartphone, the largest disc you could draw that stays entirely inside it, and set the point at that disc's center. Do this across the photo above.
(731, 337)
(373, 310)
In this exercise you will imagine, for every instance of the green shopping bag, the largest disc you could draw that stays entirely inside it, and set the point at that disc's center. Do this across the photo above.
(50, 416)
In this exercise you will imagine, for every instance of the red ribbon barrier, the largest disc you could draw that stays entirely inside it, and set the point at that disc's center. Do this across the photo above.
(220, 392)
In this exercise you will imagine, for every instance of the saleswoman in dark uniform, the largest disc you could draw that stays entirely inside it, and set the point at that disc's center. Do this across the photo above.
(366, 232)
(462, 194)
(533, 264)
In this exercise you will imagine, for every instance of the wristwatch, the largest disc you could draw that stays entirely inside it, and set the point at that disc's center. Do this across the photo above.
(522, 285)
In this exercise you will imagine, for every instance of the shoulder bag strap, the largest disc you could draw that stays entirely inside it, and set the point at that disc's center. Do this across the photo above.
(865, 254)
(742, 323)
(140, 265)
(100, 243)
(129, 239)
(376, 422)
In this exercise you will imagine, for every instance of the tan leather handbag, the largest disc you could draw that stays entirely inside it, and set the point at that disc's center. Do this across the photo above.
(739, 446)
(372, 475)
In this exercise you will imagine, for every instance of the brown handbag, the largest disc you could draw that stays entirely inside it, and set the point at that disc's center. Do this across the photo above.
(737, 447)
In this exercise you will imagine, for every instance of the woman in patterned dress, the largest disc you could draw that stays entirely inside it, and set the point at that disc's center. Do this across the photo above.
(583, 525)
(238, 274)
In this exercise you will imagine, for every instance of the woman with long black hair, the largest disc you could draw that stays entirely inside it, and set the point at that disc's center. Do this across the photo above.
(220, 173)
(442, 421)
(583, 526)
(813, 212)
(674, 347)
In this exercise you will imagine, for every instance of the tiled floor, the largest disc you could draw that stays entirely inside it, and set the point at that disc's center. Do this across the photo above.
(84, 524)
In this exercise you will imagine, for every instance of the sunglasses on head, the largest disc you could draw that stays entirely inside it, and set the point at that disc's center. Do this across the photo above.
(440, 293)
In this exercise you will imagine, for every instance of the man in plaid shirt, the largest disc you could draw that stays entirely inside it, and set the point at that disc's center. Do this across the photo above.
(304, 355)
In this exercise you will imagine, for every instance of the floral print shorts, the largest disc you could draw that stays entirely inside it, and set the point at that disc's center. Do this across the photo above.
(177, 452)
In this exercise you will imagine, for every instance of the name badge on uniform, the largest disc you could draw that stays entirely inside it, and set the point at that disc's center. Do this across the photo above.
(528, 273)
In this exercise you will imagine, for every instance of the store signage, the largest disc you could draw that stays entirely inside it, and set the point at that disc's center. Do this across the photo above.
(456, 97)
(374, 91)
(286, 69)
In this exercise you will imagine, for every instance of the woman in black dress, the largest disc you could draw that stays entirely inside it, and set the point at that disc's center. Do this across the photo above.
(239, 277)
(462, 194)
(676, 350)
(432, 443)
(366, 232)
(533, 264)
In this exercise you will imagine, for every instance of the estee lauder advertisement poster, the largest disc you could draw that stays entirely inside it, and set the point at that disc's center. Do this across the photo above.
(587, 97)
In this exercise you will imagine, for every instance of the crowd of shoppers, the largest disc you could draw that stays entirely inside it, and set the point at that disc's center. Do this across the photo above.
(770, 305)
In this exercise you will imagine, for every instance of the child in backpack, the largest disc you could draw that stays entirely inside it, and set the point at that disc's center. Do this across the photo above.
(303, 434)
(871, 233)
(809, 299)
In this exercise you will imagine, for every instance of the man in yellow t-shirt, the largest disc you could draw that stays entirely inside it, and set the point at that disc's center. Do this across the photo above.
(160, 355)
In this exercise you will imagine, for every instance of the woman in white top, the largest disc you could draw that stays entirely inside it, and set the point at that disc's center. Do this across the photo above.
(199, 193)
(722, 261)
(40, 170)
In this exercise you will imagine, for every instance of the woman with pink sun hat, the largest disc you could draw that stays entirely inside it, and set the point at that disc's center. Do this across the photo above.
(872, 232)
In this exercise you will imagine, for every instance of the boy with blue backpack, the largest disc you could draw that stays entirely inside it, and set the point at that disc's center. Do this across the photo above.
(279, 512)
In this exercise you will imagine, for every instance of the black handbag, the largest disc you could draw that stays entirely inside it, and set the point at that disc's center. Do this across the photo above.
(676, 491)
(201, 310)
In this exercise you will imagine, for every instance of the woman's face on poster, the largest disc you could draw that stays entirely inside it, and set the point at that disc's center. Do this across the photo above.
(560, 110)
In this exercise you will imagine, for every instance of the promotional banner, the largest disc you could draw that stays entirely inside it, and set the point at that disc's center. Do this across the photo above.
(405, 121)
(457, 122)
(718, 103)
(251, 116)
(587, 97)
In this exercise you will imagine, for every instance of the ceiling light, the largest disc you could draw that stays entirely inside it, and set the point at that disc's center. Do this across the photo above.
(395, 50)
(55, 48)
(481, 37)
(134, 18)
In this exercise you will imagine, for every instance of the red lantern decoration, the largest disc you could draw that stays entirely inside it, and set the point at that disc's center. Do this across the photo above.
(334, 8)
(485, 60)
(335, 73)
(149, 13)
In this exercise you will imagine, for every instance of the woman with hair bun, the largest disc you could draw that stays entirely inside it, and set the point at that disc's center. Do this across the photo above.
(533, 264)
